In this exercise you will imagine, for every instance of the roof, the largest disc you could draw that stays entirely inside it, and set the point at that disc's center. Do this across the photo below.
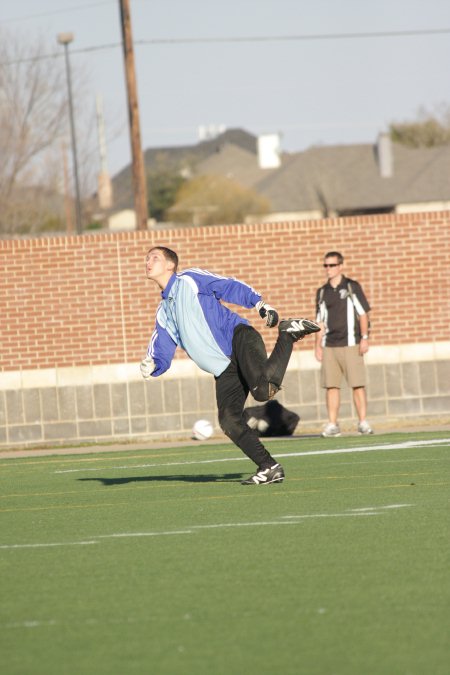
(236, 163)
(339, 178)
(181, 158)
(347, 177)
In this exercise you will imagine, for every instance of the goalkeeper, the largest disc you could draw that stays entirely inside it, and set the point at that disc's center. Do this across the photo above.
(222, 343)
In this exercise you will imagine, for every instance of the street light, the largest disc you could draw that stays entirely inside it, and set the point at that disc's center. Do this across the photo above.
(65, 39)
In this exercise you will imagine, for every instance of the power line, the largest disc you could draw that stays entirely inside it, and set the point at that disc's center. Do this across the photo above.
(298, 38)
(57, 55)
(247, 39)
(66, 10)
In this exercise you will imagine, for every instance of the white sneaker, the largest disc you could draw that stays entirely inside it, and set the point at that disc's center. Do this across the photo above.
(364, 428)
(331, 430)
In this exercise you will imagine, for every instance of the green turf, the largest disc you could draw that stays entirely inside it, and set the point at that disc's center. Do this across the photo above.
(342, 570)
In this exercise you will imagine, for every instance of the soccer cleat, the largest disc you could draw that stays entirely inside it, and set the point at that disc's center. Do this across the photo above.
(298, 328)
(331, 430)
(364, 428)
(265, 476)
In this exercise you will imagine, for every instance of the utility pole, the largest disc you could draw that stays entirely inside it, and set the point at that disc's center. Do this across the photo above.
(139, 181)
(67, 205)
(105, 195)
(65, 39)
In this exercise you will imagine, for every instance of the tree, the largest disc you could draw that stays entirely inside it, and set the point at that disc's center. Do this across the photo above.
(430, 129)
(33, 122)
(162, 188)
(210, 200)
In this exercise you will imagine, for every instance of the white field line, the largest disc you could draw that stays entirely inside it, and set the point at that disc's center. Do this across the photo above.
(192, 529)
(389, 506)
(31, 623)
(48, 545)
(366, 448)
(34, 623)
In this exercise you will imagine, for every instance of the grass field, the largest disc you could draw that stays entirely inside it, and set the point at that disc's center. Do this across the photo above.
(159, 561)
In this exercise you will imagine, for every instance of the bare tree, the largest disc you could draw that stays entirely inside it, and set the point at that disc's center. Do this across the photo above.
(33, 117)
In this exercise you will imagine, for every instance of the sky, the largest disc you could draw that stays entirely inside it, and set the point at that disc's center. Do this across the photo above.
(200, 64)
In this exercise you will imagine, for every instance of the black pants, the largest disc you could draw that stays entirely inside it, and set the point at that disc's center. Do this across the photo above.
(250, 370)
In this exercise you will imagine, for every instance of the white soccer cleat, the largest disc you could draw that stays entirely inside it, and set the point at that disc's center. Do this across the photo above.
(298, 328)
(266, 476)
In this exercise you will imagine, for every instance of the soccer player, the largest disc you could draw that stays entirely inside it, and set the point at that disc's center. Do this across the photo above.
(222, 343)
(343, 316)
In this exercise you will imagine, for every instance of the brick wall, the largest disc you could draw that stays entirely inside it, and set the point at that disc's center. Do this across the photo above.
(75, 301)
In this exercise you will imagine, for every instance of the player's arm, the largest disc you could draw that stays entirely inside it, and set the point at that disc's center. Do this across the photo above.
(227, 289)
(246, 296)
(237, 292)
(160, 352)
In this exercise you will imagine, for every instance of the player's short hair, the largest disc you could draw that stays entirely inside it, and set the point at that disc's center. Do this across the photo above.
(335, 254)
(168, 254)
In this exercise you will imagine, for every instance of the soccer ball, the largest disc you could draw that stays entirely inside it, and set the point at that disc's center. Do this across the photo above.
(202, 430)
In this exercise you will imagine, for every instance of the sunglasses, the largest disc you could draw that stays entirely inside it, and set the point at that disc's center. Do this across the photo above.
(331, 264)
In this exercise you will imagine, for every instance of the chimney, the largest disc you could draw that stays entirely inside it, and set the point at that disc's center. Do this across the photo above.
(269, 151)
(385, 155)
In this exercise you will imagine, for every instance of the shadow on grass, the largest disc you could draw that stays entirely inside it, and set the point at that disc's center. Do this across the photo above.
(208, 478)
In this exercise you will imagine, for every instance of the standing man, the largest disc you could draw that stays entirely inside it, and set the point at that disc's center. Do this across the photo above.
(343, 316)
(222, 343)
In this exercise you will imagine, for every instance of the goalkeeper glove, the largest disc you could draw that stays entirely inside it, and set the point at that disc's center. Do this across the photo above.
(268, 313)
(147, 367)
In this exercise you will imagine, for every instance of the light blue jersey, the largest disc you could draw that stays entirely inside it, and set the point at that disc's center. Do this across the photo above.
(192, 317)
